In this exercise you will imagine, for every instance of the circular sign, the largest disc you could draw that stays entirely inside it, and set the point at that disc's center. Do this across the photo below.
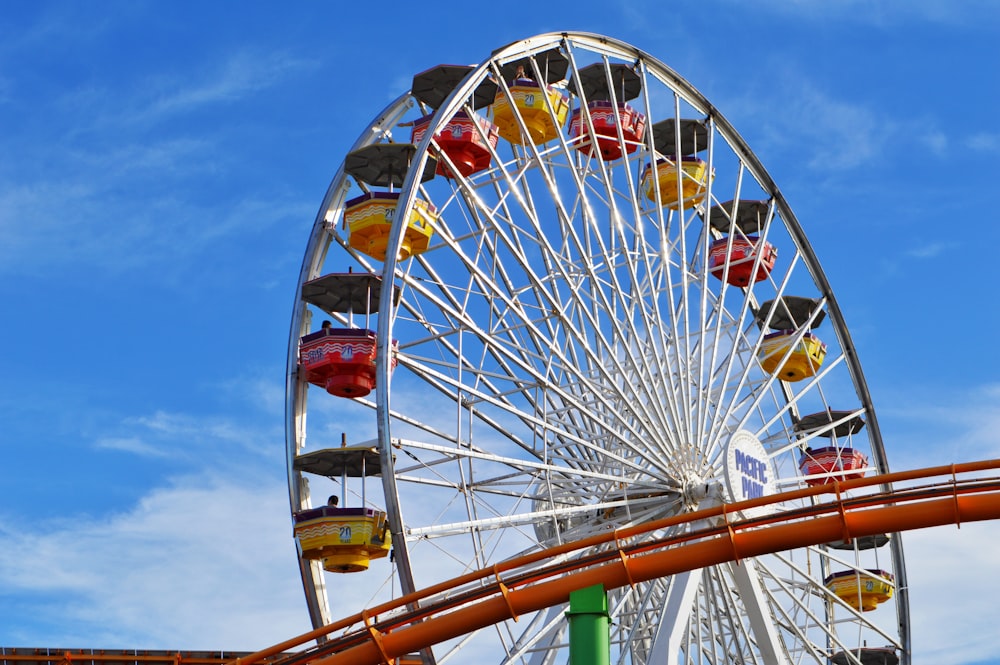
(748, 471)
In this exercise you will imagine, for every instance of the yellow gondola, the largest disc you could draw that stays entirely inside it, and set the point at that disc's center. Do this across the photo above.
(693, 174)
(346, 539)
(529, 98)
(804, 361)
(862, 590)
(369, 218)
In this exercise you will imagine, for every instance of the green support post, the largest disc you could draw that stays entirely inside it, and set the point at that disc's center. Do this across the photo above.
(589, 627)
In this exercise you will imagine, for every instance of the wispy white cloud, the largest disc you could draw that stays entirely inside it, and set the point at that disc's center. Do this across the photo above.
(103, 219)
(885, 12)
(93, 201)
(207, 563)
(936, 141)
(130, 444)
(880, 13)
(844, 134)
(189, 156)
(207, 437)
(951, 571)
(939, 142)
(238, 76)
(984, 142)
(240, 424)
(203, 560)
(258, 390)
(107, 179)
(58, 25)
(953, 592)
(834, 133)
(958, 425)
(931, 250)
(123, 108)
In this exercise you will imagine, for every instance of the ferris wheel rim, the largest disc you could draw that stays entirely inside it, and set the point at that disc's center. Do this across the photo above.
(409, 192)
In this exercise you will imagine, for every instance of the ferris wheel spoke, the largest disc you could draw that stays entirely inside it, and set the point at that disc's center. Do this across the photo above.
(577, 441)
(540, 640)
(721, 318)
(854, 618)
(583, 309)
(738, 401)
(512, 353)
(521, 519)
(727, 630)
(766, 639)
(553, 473)
(824, 431)
(706, 297)
(679, 603)
(720, 630)
(828, 367)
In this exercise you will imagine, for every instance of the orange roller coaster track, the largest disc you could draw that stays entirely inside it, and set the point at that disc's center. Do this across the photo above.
(841, 510)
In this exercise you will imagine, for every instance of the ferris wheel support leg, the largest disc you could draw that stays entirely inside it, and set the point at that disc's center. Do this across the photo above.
(762, 623)
(677, 609)
(589, 626)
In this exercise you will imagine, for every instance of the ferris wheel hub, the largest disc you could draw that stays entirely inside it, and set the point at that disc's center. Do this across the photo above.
(698, 493)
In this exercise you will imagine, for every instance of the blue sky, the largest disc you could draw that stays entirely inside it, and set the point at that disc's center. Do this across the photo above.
(160, 168)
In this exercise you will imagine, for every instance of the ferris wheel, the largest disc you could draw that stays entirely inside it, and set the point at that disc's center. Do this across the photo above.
(561, 296)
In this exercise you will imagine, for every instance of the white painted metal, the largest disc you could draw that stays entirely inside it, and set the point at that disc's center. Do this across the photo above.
(762, 621)
(567, 366)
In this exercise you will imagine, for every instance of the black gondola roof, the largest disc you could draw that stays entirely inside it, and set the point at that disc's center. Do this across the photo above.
(552, 63)
(861, 542)
(335, 462)
(694, 136)
(867, 656)
(594, 82)
(814, 421)
(432, 86)
(750, 216)
(385, 164)
(357, 292)
(790, 312)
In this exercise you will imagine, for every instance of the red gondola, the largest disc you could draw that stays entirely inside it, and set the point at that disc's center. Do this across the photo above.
(832, 463)
(468, 147)
(341, 360)
(604, 118)
(741, 260)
